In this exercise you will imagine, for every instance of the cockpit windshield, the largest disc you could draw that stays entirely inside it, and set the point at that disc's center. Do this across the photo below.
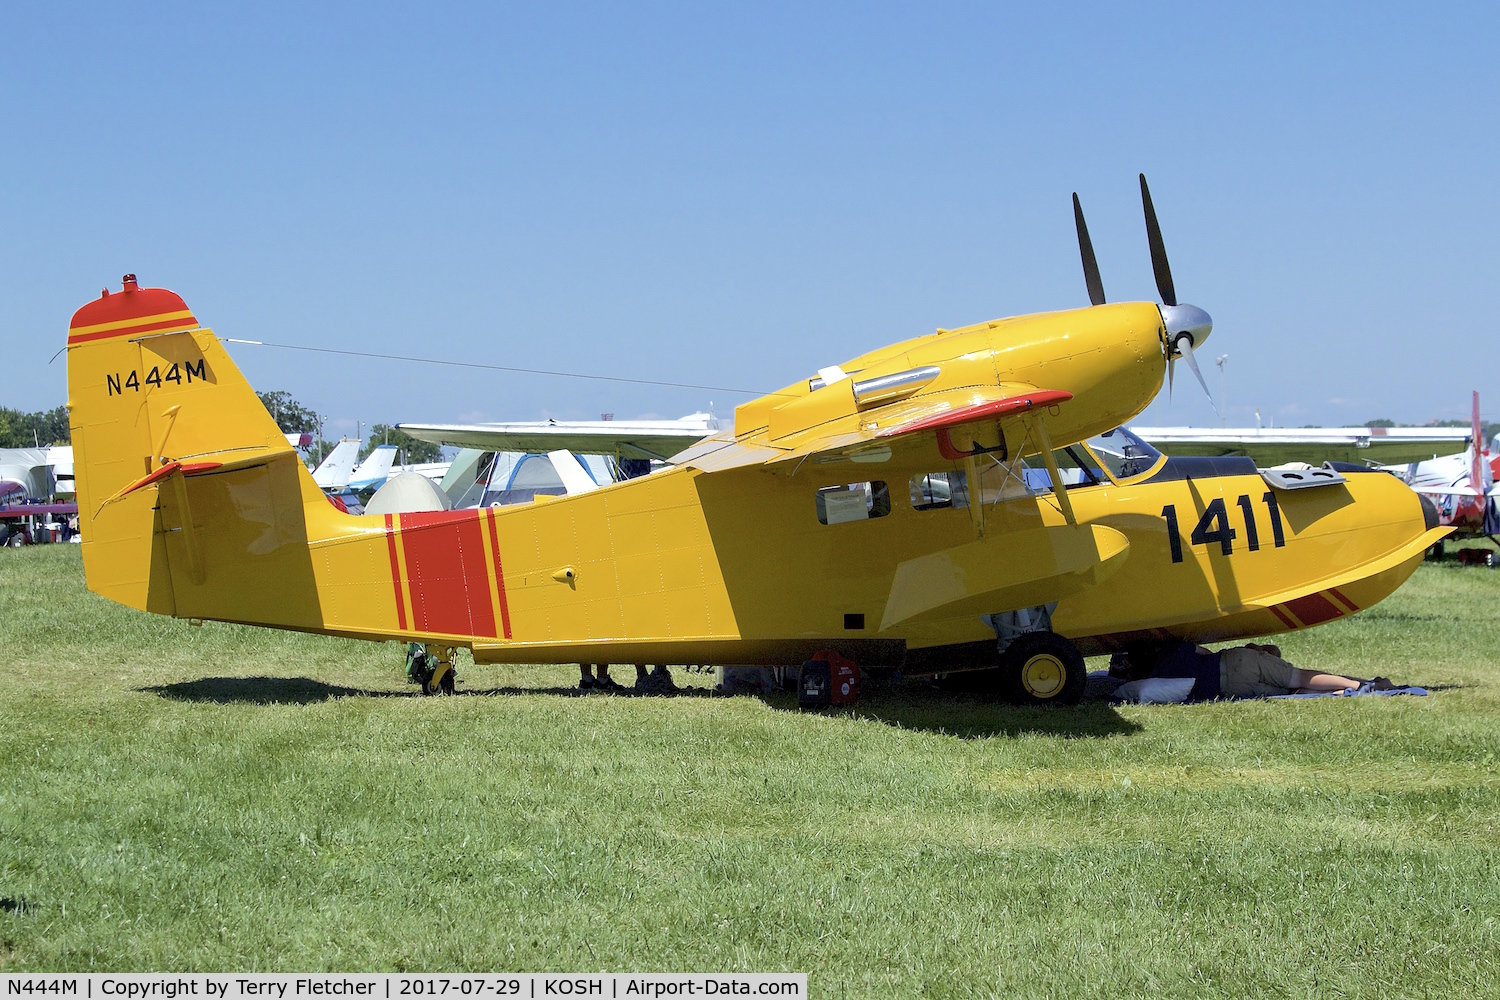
(1123, 454)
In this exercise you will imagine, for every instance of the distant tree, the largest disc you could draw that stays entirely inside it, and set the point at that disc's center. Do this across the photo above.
(412, 450)
(291, 416)
(19, 429)
(1382, 422)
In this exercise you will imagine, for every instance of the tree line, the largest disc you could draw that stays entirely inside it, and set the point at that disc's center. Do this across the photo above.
(294, 418)
(19, 429)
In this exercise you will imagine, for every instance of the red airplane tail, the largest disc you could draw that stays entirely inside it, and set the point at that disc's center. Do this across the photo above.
(1476, 451)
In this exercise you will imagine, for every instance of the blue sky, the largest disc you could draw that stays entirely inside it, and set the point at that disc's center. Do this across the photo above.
(738, 195)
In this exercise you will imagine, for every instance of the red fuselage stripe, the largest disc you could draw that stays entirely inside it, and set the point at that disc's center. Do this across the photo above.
(499, 572)
(1338, 596)
(1286, 619)
(1314, 609)
(449, 580)
(390, 537)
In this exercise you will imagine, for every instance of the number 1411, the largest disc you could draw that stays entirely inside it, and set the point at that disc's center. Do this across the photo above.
(1213, 526)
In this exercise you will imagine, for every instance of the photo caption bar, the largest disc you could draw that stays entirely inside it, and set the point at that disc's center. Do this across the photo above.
(396, 986)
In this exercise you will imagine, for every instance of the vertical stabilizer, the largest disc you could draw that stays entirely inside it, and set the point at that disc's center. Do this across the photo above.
(334, 471)
(376, 468)
(1477, 466)
(190, 500)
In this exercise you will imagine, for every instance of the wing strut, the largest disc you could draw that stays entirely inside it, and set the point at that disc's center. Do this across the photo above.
(1059, 488)
(976, 492)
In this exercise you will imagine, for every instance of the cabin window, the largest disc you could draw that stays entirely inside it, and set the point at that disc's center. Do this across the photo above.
(940, 491)
(855, 502)
(1001, 480)
(1073, 464)
(1123, 453)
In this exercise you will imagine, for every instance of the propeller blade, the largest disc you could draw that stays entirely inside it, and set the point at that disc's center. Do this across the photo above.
(1171, 370)
(1185, 346)
(1086, 251)
(1159, 263)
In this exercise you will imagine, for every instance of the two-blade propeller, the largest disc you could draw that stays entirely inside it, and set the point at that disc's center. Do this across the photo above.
(1186, 325)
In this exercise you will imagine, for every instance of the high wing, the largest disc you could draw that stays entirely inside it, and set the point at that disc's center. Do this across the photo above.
(658, 439)
(1315, 445)
(954, 418)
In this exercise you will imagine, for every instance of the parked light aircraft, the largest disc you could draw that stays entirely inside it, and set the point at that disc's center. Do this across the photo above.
(880, 509)
(1461, 486)
(338, 465)
(624, 439)
(35, 484)
(1314, 445)
(25, 474)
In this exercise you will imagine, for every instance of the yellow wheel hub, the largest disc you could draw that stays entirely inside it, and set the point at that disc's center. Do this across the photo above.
(1043, 676)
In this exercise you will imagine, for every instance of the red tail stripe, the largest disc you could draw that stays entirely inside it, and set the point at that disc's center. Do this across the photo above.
(183, 324)
(390, 539)
(499, 572)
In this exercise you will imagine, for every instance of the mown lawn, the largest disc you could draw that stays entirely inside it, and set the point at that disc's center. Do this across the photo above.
(225, 798)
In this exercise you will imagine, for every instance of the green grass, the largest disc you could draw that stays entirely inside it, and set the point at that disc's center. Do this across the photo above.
(219, 797)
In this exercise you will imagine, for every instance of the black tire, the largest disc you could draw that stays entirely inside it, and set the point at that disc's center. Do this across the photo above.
(1043, 668)
(440, 681)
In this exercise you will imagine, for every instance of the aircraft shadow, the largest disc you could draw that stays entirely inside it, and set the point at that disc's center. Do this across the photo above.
(263, 691)
(971, 718)
(573, 692)
(307, 691)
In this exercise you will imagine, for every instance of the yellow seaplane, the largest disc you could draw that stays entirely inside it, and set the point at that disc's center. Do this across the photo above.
(961, 500)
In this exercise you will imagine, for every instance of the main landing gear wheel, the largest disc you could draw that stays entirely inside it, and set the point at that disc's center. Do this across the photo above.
(431, 667)
(1043, 668)
(441, 681)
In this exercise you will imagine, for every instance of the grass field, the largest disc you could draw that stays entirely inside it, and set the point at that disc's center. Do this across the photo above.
(225, 798)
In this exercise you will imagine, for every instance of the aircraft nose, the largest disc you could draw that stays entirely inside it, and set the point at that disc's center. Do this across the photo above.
(1186, 321)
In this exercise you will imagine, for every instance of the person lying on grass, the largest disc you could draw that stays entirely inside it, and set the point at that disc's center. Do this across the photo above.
(1255, 670)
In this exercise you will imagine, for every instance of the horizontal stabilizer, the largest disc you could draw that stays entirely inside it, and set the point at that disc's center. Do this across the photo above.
(203, 464)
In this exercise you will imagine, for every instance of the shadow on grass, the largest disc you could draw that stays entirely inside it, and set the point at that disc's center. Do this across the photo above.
(972, 718)
(571, 691)
(263, 691)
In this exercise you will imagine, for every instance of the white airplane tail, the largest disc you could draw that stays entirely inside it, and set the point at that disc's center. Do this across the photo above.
(334, 472)
(376, 466)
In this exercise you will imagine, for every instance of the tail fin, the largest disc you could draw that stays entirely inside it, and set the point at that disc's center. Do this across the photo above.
(154, 401)
(376, 468)
(334, 471)
(1476, 450)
